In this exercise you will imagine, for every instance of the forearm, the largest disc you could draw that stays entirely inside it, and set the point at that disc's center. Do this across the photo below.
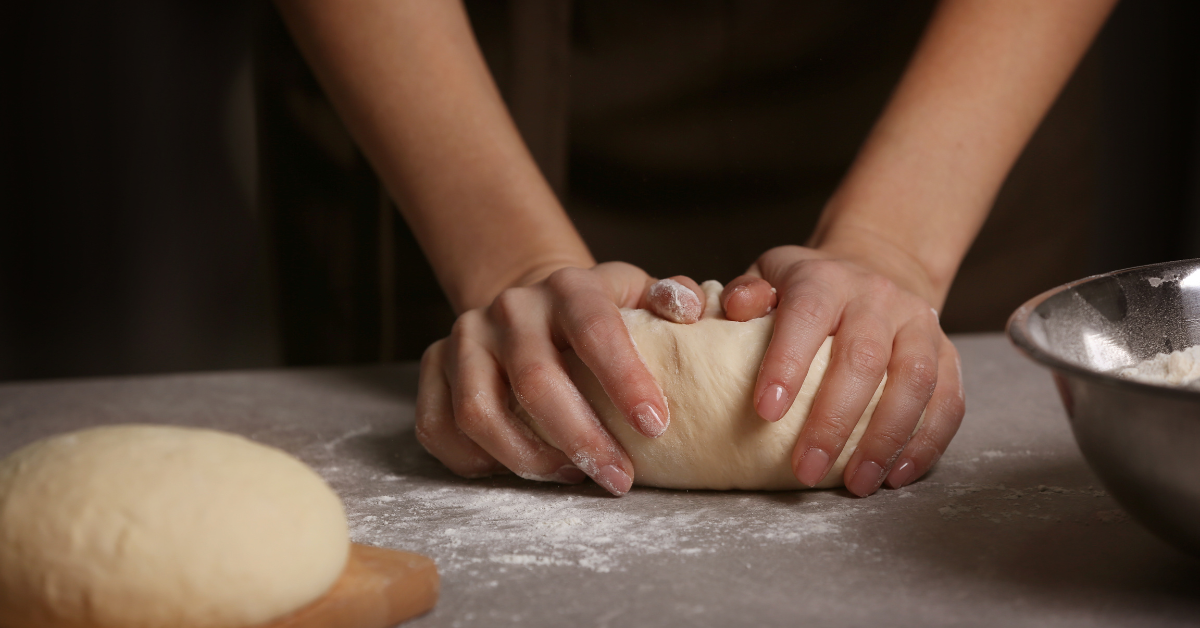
(979, 83)
(409, 82)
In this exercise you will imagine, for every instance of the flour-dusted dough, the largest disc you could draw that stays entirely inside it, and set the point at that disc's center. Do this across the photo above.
(707, 370)
(139, 526)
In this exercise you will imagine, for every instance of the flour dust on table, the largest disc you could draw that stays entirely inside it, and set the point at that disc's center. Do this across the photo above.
(467, 526)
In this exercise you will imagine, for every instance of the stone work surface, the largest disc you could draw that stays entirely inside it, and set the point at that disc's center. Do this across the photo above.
(1011, 528)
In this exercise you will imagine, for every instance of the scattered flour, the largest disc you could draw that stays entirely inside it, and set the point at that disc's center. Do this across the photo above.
(1158, 281)
(953, 511)
(996, 454)
(1178, 368)
(519, 528)
(359, 431)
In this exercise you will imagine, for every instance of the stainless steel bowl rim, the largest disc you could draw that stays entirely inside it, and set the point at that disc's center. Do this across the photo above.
(1017, 330)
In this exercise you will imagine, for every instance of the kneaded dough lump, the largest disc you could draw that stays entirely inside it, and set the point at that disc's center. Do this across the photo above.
(715, 440)
(139, 526)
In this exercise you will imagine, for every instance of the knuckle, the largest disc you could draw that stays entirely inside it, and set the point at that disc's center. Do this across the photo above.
(918, 374)
(790, 365)
(866, 356)
(925, 451)
(562, 280)
(431, 354)
(828, 271)
(531, 383)
(466, 325)
(810, 309)
(459, 328)
(458, 354)
(779, 251)
(770, 259)
(831, 431)
(889, 443)
(954, 408)
(471, 415)
(942, 419)
(507, 306)
(600, 327)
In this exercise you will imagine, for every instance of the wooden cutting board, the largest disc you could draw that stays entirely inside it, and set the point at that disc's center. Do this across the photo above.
(379, 588)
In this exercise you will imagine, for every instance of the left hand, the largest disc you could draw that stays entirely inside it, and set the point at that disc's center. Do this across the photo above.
(878, 327)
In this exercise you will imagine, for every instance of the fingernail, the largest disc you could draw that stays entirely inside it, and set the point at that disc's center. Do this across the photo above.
(812, 466)
(676, 301)
(773, 403)
(614, 480)
(569, 474)
(866, 479)
(902, 473)
(649, 421)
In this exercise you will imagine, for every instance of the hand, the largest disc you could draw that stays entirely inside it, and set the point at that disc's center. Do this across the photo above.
(463, 413)
(878, 326)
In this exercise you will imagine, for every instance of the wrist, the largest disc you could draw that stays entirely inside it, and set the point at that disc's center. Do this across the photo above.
(542, 269)
(488, 283)
(882, 255)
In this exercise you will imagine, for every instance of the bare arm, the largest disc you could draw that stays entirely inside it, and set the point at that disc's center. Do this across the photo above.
(891, 238)
(411, 85)
(981, 80)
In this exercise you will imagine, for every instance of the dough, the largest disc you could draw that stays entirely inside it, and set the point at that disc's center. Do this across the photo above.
(139, 526)
(716, 439)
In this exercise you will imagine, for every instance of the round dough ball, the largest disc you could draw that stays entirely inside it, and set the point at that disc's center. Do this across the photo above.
(707, 370)
(138, 526)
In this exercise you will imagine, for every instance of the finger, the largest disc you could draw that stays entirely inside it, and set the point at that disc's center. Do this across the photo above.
(678, 299)
(592, 325)
(747, 298)
(543, 387)
(912, 376)
(435, 426)
(479, 397)
(809, 308)
(860, 355)
(943, 415)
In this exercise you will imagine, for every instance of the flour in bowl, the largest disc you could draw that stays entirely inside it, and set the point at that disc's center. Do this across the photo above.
(1178, 368)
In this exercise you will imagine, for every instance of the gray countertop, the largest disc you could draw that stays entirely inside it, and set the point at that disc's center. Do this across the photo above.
(1011, 528)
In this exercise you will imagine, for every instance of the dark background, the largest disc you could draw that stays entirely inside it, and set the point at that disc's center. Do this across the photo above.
(175, 193)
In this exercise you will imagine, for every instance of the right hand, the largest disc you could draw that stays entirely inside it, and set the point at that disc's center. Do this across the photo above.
(463, 413)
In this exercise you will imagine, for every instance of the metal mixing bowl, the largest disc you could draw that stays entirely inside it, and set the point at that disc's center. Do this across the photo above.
(1142, 439)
